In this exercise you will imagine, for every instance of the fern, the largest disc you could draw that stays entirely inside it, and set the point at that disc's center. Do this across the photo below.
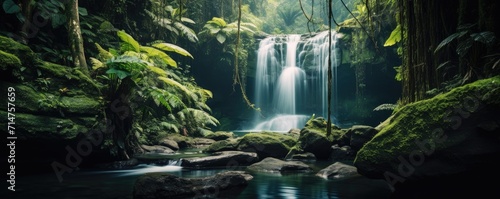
(103, 54)
(185, 90)
(202, 116)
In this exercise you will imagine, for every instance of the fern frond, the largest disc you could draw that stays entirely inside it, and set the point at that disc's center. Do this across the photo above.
(96, 64)
(202, 116)
(181, 87)
(103, 55)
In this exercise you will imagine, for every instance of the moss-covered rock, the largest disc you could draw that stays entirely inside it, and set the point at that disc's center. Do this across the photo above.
(313, 138)
(450, 133)
(8, 60)
(223, 145)
(65, 76)
(25, 54)
(219, 135)
(267, 144)
(41, 127)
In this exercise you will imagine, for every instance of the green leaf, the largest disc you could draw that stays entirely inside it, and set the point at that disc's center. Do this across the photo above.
(57, 20)
(82, 11)
(221, 38)
(449, 39)
(218, 21)
(132, 44)
(486, 37)
(153, 52)
(120, 73)
(173, 48)
(10, 7)
(394, 37)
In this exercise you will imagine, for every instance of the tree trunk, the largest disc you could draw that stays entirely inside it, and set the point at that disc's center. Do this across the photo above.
(75, 37)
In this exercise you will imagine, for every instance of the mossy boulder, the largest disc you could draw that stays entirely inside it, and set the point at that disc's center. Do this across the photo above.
(8, 60)
(451, 133)
(267, 144)
(42, 127)
(223, 145)
(314, 139)
(23, 52)
(219, 135)
(359, 135)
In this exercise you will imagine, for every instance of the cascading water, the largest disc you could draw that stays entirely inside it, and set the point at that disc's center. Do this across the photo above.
(291, 80)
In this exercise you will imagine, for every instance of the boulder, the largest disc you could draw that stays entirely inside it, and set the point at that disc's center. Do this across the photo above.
(221, 159)
(219, 135)
(163, 185)
(304, 156)
(274, 165)
(223, 145)
(338, 170)
(267, 144)
(313, 138)
(451, 133)
(359, 135)
(201, 142)
(342, 153)
(169, 143)
(157, 149)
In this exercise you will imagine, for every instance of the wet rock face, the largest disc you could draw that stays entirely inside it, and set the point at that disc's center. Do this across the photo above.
(162, 185)
(360, 135)
(157, 149)
(221, 159)
(338, 170)
(451, 133)
(274, 165)
(170, 144)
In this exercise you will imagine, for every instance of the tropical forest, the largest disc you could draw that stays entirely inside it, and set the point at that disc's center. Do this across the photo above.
(250, 99)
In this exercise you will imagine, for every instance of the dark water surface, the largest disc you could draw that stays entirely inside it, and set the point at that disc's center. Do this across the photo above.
(115, 184)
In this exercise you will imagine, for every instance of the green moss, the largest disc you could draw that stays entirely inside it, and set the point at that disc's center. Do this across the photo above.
(29, 126)
(419, 120)
(81, 105)
(25, 54)
(267, 144)
(49, 69)
(8, 60)
(26, 97)
(223, 145)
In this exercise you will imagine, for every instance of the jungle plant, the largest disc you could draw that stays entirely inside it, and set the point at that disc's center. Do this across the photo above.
(218, 28)
(172, 20)
(468, 49)
(147, 71)
(289, 15)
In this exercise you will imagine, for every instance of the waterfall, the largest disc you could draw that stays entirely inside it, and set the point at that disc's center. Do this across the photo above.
(291, 80)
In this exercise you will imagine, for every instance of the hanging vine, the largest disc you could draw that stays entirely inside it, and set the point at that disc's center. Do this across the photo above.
(236, 75)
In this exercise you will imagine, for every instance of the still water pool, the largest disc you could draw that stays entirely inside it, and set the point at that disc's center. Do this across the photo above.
(118, 184)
